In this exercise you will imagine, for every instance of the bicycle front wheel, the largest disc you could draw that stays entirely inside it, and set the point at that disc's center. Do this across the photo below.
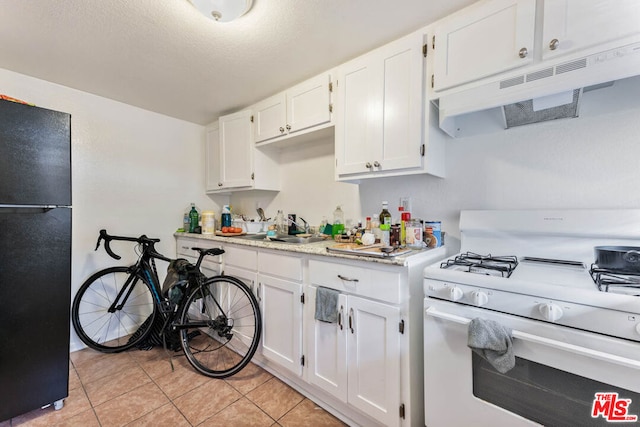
(220, 327)
(113, 310)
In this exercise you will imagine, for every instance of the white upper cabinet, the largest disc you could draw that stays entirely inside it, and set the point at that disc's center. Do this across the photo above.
(575, 25)
(483, 39)
(212, 154)
(300, 108)
(379, 122)
(236, 150)
(233, 163)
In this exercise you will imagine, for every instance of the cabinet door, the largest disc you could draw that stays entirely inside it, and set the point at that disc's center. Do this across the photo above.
(250, 278)
(270, 118)
(481, 40)
(212, 152)
(402, 96)
(582, 24)
(236, 149)
(281, 322)
(328, 350)
(373, 352)
(308, 104)
(358, 120)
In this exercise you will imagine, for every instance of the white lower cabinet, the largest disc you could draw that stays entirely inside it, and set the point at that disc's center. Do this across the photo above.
(282, 322)
(280, 295)
(357, 359)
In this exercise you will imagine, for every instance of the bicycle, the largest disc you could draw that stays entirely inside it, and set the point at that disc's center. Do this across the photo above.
(217, 319)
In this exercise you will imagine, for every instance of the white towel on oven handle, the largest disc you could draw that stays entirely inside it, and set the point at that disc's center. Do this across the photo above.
(493, 342)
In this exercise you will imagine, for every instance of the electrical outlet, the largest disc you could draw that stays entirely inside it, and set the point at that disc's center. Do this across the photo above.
(405, 203)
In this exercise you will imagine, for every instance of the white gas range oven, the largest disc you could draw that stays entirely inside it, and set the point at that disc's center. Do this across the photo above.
(575, 326)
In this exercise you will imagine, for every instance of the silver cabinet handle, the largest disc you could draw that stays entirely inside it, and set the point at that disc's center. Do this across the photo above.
(259, 291)
(219, 184)
(281, 129)
(523, 52)
(288, 127)
(376, 164)
(347, 279)
(553, 44)
(340, 317)
(368, 165)
(351, 321)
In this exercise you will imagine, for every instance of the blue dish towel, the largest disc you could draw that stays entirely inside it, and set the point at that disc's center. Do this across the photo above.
(493, 342)
(327, 305)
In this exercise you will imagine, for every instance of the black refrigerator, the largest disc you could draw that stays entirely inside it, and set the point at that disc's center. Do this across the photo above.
(35, 257)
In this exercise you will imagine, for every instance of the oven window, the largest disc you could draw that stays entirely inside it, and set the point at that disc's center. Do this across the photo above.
(550, 396)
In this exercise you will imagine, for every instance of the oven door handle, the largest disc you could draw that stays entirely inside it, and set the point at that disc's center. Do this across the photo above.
(576, 349)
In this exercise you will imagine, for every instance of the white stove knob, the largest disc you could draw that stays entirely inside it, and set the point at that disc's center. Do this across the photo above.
(479, 298)
(455, 293)
(550, 311)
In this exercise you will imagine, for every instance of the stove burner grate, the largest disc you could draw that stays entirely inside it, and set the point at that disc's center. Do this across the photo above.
(619, 281)
(483, 264)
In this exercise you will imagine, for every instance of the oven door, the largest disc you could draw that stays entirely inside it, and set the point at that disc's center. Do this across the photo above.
(562, 377)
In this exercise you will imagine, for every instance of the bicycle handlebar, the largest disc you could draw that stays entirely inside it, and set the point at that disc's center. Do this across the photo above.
(144, 240)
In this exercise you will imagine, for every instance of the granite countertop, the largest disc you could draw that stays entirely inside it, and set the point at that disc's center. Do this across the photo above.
(320, 248)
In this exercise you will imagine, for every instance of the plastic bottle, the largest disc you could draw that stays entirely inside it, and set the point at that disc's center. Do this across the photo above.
(225, 218)
(385, 215)
(280, 223)
(186, 221)
(385, 234)
(338, 221)
(193, 218)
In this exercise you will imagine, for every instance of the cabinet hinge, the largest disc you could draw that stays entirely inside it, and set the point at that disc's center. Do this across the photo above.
(433, 42)
(432, 79)
(252, 119)
(401, 327)
(253, 176)
(424, 50)
(302, 299)
(422, 150)
(330, 86)
(402, 411)
(331, 108)
(302, 360)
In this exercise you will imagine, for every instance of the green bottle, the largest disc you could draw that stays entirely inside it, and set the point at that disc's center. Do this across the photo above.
(385, 215)
(193, 218)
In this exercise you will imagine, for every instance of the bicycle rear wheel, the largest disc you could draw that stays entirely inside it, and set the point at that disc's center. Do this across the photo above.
(105, 324)
(220, 327)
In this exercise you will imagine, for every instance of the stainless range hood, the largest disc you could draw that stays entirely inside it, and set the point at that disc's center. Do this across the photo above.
(536, 94)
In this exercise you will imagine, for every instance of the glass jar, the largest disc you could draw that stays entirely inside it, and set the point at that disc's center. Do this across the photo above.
(414, 233)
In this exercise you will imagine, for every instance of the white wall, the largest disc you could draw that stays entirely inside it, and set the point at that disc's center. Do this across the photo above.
(133, 171)
(308, 190)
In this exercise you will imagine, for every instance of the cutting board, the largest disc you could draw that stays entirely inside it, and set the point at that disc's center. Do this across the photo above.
(362, 250)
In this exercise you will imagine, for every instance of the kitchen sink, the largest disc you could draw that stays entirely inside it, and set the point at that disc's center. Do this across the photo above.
(285, 239)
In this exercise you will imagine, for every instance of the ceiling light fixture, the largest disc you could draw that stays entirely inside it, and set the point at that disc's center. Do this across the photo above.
(223, 10)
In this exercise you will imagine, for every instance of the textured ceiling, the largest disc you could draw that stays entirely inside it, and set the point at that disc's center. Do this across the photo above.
(164, 56)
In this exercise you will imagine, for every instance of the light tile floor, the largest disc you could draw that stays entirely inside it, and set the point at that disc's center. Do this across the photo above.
(138, 388)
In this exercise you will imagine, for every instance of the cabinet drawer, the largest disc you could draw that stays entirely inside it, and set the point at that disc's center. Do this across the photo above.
(287, 267)
(378, 284)
(240, 257)
(184, 245)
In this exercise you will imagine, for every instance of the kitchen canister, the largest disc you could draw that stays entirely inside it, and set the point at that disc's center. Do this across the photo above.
(208, 222)
(433, 230)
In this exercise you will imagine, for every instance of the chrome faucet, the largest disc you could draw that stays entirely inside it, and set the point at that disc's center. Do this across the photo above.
(305, 227)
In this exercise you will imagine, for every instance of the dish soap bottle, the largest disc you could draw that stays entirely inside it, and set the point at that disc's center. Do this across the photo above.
(338, 221)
